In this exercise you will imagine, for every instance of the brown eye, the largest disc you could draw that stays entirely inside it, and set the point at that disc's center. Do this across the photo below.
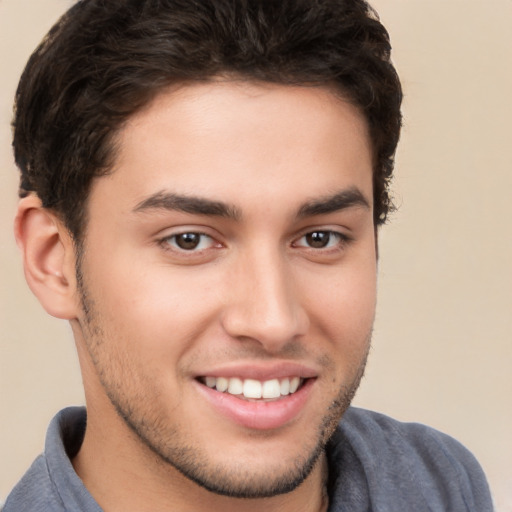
(318, 239)
(190, 241)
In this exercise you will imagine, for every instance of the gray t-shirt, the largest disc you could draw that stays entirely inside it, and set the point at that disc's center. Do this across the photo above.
(376, 464)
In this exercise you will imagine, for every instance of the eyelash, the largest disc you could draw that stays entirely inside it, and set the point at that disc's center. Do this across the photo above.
(340, 240)
(171, 242)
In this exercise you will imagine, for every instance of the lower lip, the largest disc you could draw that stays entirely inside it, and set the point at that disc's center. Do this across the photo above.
(258, 415)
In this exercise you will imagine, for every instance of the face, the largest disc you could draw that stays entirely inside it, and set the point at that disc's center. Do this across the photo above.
(228, 281)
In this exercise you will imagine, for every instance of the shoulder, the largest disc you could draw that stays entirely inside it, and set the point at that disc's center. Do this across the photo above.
(34, 492)
(411, 464)
(51, 483)
(374, 430)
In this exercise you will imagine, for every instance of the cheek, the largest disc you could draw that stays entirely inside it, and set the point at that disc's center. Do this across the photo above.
(346, 296)
(157, 312)
(341, 307)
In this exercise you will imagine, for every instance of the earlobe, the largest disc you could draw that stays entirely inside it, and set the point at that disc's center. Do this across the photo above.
(48, 257)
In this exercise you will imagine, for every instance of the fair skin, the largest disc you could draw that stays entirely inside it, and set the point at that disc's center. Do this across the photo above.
(233, 244)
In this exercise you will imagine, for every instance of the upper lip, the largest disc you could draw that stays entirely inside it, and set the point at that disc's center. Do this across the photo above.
(261, 370)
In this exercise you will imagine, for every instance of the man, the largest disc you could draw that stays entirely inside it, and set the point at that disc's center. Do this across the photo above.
(202, 184)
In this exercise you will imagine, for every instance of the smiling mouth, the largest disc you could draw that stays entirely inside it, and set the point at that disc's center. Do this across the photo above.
(251, 389)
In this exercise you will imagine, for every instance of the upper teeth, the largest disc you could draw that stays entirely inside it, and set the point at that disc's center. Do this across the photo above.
(251, 388)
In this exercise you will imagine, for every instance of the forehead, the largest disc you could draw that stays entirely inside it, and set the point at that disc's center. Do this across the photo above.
(249, 141)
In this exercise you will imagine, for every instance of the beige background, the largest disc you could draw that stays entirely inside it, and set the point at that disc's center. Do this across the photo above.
(443, 340)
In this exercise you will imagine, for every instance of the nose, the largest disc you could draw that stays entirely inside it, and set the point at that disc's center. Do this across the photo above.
(264, 304)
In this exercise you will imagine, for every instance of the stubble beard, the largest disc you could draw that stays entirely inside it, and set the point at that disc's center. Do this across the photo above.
(168, 444)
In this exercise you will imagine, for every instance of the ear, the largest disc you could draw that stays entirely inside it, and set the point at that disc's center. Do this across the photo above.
(48, 257)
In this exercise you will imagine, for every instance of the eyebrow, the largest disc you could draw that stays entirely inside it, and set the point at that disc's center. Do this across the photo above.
(349, 198)
(194, 205)
(188, 204)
